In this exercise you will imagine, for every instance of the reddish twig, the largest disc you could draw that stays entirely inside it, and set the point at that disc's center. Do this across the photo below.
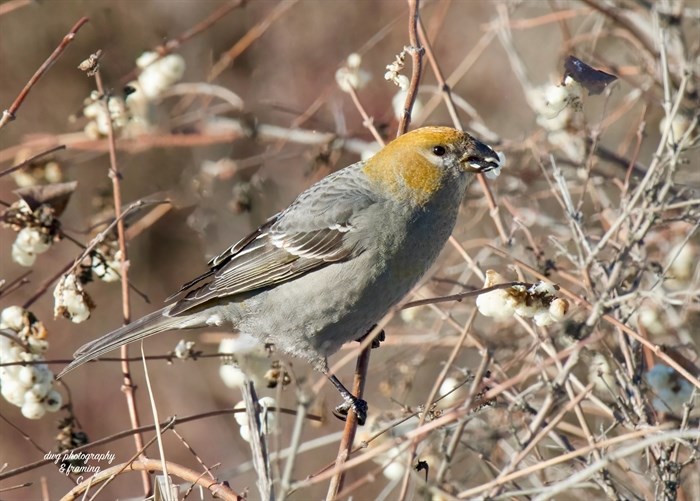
(10, 114)
(128, 387)
(416, 52)
(344, 449)
(445, 89)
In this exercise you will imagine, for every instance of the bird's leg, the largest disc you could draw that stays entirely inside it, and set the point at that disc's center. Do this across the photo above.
(358, 405)
(377, 341)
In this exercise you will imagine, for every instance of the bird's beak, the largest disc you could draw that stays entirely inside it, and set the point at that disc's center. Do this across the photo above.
(483, 159)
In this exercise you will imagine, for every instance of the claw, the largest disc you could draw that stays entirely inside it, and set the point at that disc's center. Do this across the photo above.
(358, 406)
(376, 342)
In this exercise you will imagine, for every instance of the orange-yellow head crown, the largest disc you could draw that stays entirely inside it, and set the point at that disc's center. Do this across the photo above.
(414, 166)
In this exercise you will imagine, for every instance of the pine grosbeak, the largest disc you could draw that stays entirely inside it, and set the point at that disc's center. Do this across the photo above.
(325, 270)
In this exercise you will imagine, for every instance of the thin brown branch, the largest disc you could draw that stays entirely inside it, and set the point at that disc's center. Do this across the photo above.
(416, 52)
(205, 24)
(462, 295)
(345, 446)
(145, 466)
(251, 36)
(656, 349)
(128, 388)
(367, 120)
(444, 87)
(32, 159)
(172, 421)
(7, 288)
(411, 456)
(10, 114)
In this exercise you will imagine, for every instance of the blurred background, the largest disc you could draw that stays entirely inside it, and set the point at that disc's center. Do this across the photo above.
(248, 115)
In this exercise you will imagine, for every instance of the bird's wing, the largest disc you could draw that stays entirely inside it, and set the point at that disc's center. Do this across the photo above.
(316, 230)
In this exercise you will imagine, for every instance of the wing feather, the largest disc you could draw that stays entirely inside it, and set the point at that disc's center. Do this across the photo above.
(312, 233)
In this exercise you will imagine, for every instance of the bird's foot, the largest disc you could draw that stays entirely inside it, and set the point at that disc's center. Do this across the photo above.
(377, 341)
(358, 406)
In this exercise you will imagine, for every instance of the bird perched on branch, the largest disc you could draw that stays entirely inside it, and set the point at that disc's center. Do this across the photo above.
(325, 270)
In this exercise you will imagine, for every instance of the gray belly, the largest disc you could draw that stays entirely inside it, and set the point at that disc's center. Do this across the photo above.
(312, 316)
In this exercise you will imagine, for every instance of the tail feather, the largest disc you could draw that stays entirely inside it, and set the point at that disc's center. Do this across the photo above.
(149, 325)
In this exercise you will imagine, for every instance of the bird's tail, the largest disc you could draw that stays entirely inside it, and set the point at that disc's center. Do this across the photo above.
(149, 325)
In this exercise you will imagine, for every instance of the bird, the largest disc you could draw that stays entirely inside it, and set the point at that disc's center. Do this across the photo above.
(326, 269)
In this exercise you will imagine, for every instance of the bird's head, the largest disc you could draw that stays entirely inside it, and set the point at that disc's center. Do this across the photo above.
(414, 166)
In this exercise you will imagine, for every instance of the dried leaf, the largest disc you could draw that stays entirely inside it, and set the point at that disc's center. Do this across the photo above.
(594, 80)
(55, 195)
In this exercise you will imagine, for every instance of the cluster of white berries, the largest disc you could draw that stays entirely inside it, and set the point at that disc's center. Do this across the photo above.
(29, 243)
(29, 387)
(70, 299)
(158, 74)
(184, 349)
(351, 76)
(538, 301)
(558, 106)
(43, 171)
(130, 116)
(106, 262)
(36, 230)
(94, 110)
(267, 414)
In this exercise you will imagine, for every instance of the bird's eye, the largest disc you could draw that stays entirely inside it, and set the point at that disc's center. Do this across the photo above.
(439, 150)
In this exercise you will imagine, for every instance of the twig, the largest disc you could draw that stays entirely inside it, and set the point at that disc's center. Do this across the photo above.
(159, 431)
(656, 349)
(128, 388)
(458, 297)
(6, 288)
(171, 421)
(612, 456)
(367, 121)
(45, 286)
(416, 52)
(215, 131)
(9, 114)
(258, 441)
(100, 237)
(431, 398)
(344, 448)
(294, 445)
(444, 87)
(205, 24)
(253, 34)
(32, 159)
(218, 489)
(457, 433)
